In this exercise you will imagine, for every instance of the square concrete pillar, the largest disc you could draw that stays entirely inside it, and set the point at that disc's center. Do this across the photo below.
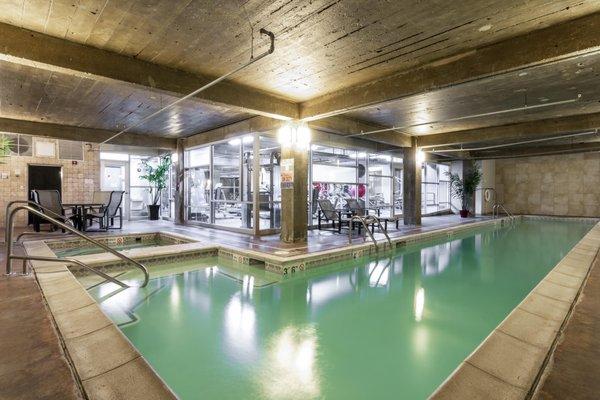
(411, 208)
(294, 195)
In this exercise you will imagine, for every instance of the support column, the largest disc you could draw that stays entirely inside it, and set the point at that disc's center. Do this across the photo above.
(411, 207)
(180, 187)
(294, 195)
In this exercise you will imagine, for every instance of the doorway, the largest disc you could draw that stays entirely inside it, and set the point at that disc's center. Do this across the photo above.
(43, 177)
(115, 176)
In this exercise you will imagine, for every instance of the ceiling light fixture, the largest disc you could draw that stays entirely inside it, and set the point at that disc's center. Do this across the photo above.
(294, 135)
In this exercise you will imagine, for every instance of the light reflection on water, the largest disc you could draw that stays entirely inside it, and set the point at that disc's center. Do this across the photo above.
(360, 329)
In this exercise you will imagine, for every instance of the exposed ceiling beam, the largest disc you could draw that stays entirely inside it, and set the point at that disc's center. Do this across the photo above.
(569, 39)
(37, 50)
(346, 126)
(521, 130)
(250, 125)
(270, 126)
(530, 151)
(91, 135)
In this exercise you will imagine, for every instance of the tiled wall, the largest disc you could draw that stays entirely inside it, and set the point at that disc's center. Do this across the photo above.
(552, 185)
(78, 183)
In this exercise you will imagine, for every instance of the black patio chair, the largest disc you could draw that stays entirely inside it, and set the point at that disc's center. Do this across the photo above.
(328, 212)
(107, 214)
(50, 199)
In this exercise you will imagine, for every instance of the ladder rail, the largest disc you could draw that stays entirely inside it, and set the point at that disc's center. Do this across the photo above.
(361, 219)
(381, 229)
(365, 223)
(9, 242)
(496, 211)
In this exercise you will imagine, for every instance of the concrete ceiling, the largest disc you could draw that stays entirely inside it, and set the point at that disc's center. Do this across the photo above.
(35, 94)
(322, 45)
(524, 95)
(347, 66)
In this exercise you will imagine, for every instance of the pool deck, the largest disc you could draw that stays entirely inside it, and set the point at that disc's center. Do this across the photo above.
(40, 369)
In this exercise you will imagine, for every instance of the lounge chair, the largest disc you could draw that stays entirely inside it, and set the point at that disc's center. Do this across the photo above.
(328, 212)
(107, 214)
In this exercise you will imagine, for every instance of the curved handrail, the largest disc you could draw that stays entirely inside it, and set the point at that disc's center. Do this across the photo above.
(10, 256)
(72, 261)
(361, 219)
(28, 202)
(364, 220)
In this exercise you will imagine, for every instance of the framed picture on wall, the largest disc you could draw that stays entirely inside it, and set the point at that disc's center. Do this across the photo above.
(45, 148)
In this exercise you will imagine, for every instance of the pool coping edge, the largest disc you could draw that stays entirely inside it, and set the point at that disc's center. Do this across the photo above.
(512, 358)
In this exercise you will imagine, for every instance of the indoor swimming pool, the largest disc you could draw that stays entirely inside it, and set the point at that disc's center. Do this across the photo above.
(392, 327)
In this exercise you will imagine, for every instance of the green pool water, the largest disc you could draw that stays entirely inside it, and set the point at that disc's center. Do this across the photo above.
(392, 328)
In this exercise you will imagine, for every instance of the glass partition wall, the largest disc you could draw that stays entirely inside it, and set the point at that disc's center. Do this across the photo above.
(341, 174)
(224, 181)
(221, 180)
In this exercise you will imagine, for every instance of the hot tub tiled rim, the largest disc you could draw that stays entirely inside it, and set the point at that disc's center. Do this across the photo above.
(49, 275)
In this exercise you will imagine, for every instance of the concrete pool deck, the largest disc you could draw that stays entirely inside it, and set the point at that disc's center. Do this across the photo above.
(63, 299)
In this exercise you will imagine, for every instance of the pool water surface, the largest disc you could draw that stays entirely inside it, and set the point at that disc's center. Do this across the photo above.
(386, 328)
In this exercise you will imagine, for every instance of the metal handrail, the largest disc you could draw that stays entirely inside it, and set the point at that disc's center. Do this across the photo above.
(9, 256)
(73, 261)
(381, 229)
(28, 202)
(364, 222)
(496, 211)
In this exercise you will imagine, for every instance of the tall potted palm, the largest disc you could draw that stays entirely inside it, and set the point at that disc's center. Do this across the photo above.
(5, 144)
(158, 177)
(464, 189)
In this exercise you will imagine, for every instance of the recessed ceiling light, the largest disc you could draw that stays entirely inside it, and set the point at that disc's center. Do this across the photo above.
(523, 73)
(485, 28)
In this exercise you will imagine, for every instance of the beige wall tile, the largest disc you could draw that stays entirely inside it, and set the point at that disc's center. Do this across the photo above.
(553, 185)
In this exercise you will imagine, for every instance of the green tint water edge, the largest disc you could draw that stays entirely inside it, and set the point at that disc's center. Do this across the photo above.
(387, 328)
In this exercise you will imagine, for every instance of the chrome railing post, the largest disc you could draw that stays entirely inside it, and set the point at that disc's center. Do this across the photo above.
(10, 256)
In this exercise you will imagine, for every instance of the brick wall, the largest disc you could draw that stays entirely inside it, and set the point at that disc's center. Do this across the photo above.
(78, 181)
(567, 185)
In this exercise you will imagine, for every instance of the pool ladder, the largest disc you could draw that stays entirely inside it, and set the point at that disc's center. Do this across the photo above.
(45, 213)
(499, 207)
(365, 221)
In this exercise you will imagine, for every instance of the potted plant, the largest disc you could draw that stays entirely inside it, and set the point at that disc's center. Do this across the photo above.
(5, 144)
(157, 176)
(463, 189)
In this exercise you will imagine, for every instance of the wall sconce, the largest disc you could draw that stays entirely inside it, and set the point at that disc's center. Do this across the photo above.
(294, 135)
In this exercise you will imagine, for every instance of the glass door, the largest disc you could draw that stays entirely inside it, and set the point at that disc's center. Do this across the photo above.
(114, 177)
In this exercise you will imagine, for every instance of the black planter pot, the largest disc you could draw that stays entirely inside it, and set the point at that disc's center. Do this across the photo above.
(154, 210)
(464, 213)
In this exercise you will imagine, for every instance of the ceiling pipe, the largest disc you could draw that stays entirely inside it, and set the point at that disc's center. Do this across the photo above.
(498, 146)
(208, 85)
(523, 108)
